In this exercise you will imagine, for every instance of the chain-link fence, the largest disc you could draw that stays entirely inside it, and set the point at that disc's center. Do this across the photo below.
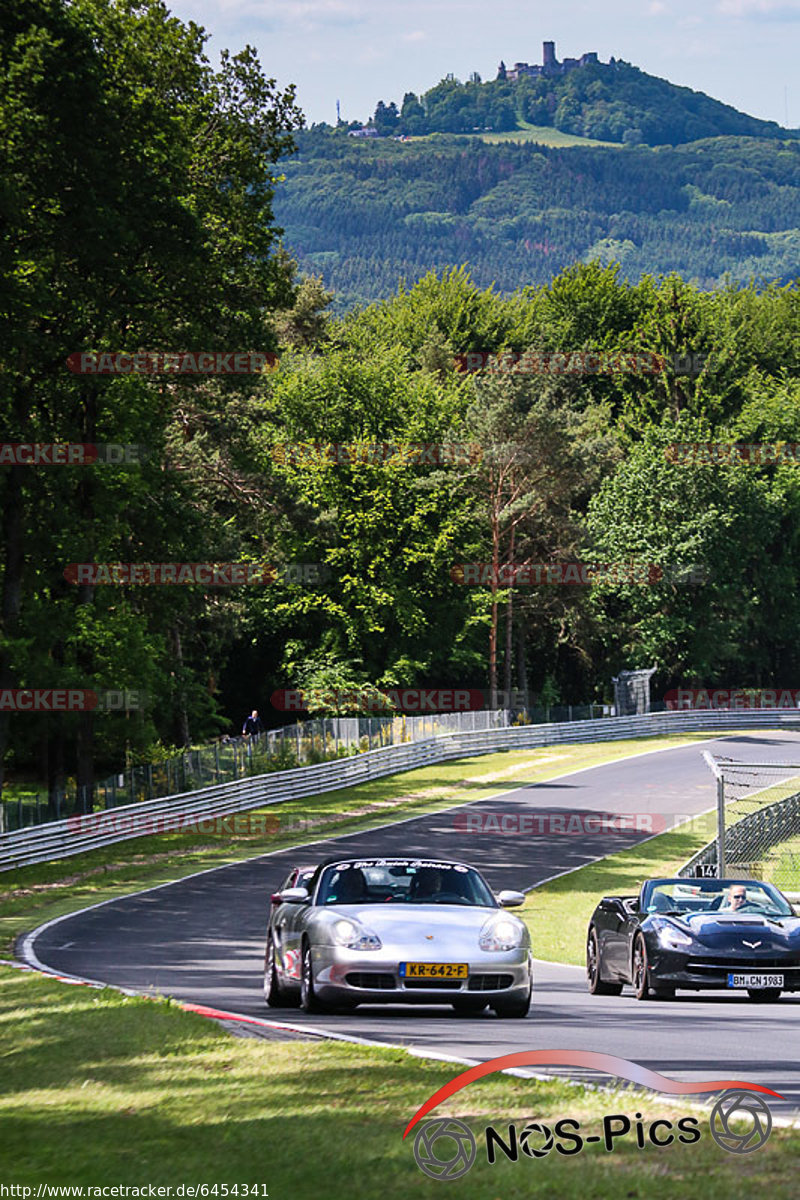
(320, 740)
(758, 822)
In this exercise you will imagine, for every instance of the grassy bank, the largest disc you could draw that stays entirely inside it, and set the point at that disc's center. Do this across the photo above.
(102, 1089)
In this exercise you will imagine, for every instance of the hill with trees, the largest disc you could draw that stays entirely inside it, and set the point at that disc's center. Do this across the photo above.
(364, 214)
(613, 102)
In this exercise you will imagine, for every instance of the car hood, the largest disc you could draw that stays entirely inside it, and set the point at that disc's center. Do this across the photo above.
(726, 929)
(418, 920)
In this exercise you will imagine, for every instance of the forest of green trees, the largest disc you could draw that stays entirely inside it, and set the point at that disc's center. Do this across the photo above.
(180, 253)
(365, 214)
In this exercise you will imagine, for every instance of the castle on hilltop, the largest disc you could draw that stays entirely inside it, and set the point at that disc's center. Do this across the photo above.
(550, 64)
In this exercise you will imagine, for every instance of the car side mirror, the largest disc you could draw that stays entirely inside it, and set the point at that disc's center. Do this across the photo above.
(293, 895)
(613, 904)
(510, 899)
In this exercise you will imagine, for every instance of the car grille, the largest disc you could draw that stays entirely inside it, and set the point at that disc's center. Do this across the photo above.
(489, 983)
(374, 981)
(438, 985)
(743, 964)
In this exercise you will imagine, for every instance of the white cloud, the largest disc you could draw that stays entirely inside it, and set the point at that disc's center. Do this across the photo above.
(416, 35)
(656, 9)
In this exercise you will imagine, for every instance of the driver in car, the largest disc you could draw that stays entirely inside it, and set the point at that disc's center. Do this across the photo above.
(736, 899)
(427, 884)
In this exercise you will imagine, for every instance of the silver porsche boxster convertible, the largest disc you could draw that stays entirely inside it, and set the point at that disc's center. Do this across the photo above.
(397, 931)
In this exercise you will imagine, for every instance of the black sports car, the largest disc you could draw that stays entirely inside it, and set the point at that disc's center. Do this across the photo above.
(695, 934)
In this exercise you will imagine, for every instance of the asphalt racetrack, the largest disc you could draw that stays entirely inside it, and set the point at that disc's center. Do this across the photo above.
(202, 939)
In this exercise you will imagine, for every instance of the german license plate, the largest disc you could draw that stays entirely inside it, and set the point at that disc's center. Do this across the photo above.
(418, 970)
(755, 981)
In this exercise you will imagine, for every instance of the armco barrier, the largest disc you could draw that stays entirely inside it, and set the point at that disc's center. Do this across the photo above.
(60, 839)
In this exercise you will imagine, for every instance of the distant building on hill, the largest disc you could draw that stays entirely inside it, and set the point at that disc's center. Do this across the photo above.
(550, 64)
(365, 132)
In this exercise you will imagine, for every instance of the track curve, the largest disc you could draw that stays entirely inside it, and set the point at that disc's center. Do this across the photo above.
(201, 939)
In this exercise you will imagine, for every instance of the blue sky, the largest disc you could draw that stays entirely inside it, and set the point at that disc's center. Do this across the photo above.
(743, 52)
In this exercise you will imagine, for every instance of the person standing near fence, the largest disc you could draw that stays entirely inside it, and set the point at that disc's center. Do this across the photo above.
(252, 725)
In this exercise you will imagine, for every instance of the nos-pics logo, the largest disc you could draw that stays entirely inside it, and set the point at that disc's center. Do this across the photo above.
(446, 1148)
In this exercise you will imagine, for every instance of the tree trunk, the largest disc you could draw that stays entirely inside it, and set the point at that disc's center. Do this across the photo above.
(494, 619)
(55, 774)
(522, 667)
(85, 656)
(183, 715)
(12, 549)
(509, 633)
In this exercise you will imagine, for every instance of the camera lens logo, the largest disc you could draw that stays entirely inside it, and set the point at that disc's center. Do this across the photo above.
(444, 1148)
(533, 1133)
(739, 1105)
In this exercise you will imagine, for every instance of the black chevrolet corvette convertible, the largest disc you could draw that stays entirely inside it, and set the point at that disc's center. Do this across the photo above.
(695, 934)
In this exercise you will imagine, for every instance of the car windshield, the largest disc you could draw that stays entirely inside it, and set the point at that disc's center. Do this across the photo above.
(406, 881)
(726, 896)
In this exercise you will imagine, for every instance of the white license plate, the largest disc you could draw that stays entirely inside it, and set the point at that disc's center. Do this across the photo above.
(755, 981)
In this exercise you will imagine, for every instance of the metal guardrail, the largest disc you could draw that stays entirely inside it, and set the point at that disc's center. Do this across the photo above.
(229, 759)
(61, 839)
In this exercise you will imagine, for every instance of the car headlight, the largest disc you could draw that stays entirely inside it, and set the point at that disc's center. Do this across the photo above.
(670, 936)
(501, 933)
(355, 936)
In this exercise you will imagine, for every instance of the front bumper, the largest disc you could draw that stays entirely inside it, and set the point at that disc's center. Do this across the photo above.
(373, 978)
(698, 971)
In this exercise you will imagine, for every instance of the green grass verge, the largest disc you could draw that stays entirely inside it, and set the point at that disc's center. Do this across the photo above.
(545, 135)
(32, 895)
(99, 1089)
(781, 864)
(557, 913)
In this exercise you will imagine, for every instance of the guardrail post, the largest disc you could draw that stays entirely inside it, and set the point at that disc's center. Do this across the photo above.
(721, 828)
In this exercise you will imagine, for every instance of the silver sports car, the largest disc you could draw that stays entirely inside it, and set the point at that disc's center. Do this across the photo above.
(397, 931)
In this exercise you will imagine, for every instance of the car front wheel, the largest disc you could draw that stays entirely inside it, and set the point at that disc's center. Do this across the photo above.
(274, 994)
(309, 1001)
(515, 1007)
(641, 983)
(596, 985)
